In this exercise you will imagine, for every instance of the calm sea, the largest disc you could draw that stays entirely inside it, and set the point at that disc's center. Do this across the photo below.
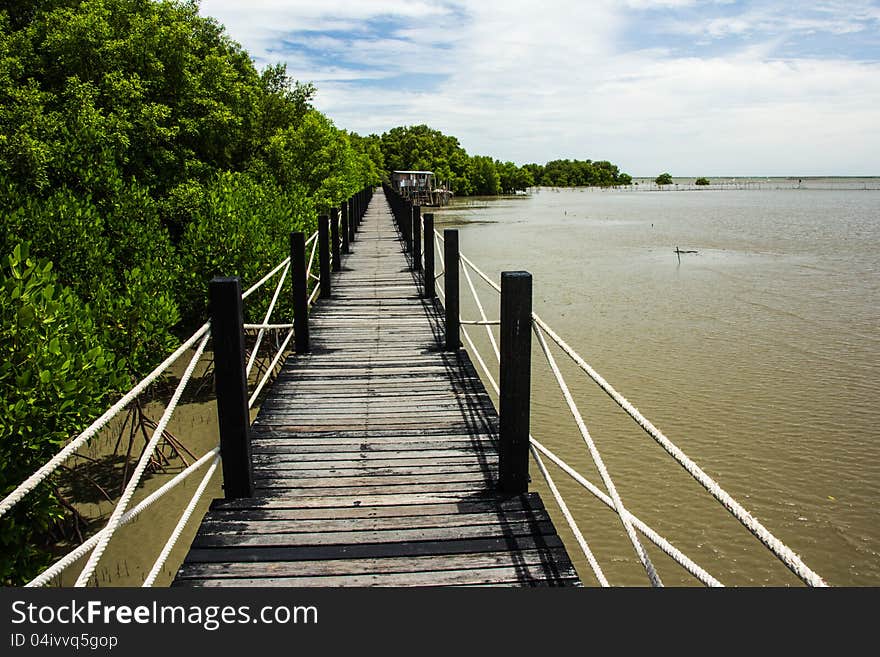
(759, 355)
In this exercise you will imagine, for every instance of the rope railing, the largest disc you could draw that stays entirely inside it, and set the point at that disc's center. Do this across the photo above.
(116, 517)
(612, 499)
(181, 524)
(77, 553)
(121, 515)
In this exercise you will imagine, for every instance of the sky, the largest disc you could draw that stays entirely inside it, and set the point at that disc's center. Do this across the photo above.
(718, 87)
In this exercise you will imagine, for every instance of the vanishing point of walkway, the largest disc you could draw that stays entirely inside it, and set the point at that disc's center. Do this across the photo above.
(374, 455)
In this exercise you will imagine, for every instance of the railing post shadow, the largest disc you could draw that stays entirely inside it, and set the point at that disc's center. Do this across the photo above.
(334, 239)
(299, 282)
(514, 381)
(428, 274)
(450, 288)
(324, 254)
(230, 383)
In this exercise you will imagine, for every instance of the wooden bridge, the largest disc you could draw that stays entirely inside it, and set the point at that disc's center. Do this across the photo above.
(374, 457)
(377, 457)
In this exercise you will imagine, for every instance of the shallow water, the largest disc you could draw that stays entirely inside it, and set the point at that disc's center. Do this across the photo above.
(758, 356)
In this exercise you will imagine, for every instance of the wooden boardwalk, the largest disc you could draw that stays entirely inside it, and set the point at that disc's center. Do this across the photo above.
(375, 456)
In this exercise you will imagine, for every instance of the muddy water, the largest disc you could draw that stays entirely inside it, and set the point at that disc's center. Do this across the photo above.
(758, 355)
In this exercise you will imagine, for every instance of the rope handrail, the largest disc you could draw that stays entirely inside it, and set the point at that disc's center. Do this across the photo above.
(785, 554)
(483, 316)
(50, 466)
(268, 314)
(78, 552)
(674, 553)
(670, 550)
(115, 518)
(268, 327)
(181, 524)
(270, 369)
(569, 519)
(788, 557)
(600, 465)
(256, 286)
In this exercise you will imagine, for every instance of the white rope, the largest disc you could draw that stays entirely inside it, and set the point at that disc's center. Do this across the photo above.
(259, 340)
(270, 369)
(655, 538)
(34, 480)
(76, 554)
(674, 553)
(649, 533)
(579, 537)
(181, 524)
(256, 286)
(480, 360)
(268, 327)
(479, 273)
(132, 485)
(782, 551)
(485, 319)
(312, 238)
(314, 295)
(600, 465)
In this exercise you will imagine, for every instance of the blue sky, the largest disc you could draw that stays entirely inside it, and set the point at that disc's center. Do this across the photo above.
(717, 87)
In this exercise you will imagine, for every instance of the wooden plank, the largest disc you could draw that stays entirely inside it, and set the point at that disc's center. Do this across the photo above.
(551, 558)
(371, 550)
(515, 575)
(277, 523)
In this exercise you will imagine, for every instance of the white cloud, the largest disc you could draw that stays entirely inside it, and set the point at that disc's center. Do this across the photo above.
(531, 82)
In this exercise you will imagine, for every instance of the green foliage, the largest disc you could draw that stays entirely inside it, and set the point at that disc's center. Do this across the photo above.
(484, 176)
(421, 148)
(663, 179)
(702, 181)
(240, 226)
(578, 173)
(50, 358)
(142, 153)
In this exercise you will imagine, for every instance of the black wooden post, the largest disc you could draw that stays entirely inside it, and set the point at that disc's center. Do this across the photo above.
(346, 219)
(230, 384)
(324, 254)
(450, 287)
(300, 284)
(515, 381)
(417, 237)
(353, 219)
(429, 257)
(334, 239)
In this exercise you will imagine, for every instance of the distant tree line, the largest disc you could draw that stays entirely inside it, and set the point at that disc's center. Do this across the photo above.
(422, 148)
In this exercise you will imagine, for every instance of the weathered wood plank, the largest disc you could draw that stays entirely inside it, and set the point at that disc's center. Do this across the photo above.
(550, 559)
(372, 550)
(525, 574)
